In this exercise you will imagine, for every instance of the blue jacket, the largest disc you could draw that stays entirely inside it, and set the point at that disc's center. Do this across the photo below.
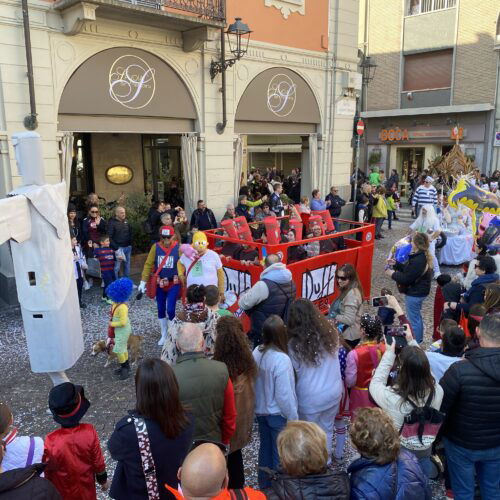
(370, 481)
(475, 294)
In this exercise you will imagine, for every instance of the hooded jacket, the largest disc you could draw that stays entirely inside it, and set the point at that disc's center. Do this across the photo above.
(26, 483)
(475, 294)
(332, 486)
(472, 399)
(370, 481)
(268, 296)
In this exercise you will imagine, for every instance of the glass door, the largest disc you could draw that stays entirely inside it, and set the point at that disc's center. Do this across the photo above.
(163, 177)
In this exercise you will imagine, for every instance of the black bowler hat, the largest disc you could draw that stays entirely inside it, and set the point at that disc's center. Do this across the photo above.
(68, 404)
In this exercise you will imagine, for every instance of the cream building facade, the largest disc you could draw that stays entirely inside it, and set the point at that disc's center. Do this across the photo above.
(79, 47)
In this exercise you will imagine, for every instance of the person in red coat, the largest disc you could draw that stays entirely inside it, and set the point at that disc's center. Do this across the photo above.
(73, 453)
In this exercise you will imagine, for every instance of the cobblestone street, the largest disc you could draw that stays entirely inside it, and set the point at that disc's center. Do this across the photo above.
(26, 393)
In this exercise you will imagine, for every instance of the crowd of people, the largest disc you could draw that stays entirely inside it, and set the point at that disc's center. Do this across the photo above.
(308, 380)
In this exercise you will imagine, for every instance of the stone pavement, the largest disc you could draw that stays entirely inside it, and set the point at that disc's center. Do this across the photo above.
(26, 393)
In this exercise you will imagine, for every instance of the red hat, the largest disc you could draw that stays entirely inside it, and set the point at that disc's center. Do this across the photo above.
(166, 231)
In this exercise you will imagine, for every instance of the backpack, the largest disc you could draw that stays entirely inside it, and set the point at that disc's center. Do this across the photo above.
(421, 426)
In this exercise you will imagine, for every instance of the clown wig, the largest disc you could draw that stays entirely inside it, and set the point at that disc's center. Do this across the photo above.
(120, 290)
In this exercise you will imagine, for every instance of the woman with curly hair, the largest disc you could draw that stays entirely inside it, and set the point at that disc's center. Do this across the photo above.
(194, 311)
(313, 349)
(231, 347)
(384, 470)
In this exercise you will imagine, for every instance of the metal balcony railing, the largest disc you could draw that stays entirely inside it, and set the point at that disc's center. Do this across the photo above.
(207, 9)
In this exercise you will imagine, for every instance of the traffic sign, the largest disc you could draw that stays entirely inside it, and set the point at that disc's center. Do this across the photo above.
(360, 127)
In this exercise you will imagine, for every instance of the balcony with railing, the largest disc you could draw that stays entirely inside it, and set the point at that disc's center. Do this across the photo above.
(193, 18)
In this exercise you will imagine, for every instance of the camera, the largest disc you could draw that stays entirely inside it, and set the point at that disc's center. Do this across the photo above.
(380, 301)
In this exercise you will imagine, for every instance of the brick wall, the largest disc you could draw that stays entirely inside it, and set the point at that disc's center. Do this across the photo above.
(384, 45)
(475, 67)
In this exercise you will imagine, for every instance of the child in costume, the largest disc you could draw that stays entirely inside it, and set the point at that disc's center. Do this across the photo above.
(202, 267)
(73, 453)
(162, 262)
(119, 327)
(362, 362)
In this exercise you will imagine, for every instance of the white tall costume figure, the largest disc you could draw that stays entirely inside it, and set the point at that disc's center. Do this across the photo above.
(33, 218)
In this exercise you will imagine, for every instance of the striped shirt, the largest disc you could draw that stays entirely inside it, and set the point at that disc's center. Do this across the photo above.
(106, 258)
(425, 196)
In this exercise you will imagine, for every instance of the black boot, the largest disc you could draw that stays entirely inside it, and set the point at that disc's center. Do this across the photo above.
(124, 371)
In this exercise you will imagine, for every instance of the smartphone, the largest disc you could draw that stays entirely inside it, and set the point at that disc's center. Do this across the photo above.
(380, 301)
(396, 334)
(396, 331)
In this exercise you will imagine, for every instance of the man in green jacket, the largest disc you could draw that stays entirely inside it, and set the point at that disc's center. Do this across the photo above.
(205, 388)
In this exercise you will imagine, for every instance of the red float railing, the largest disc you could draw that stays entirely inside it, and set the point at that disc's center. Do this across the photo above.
(314, 277)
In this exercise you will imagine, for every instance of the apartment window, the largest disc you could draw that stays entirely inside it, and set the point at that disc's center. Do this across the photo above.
(422, 6)
(427, 71)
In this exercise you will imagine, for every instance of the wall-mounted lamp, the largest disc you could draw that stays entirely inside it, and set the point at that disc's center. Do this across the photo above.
(368, 68)
(238, 35)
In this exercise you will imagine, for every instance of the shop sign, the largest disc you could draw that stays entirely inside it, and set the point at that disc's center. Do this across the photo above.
(497, 139)
(394, 135)
(457, 133)
(119, 174)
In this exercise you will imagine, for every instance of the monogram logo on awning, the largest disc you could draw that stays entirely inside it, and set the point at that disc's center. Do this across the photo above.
(281, 95)
(131, 82)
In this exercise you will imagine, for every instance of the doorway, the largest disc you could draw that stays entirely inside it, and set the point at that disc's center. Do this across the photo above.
(163, 176)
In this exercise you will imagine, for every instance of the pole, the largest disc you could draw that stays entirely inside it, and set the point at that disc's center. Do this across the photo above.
(356, 170)
(221, 126)
(30, 121)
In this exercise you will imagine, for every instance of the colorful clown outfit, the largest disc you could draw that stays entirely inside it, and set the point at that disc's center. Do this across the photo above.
(119, 292)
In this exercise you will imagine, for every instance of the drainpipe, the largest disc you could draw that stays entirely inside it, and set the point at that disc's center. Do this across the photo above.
(221, 126)
(30, 121)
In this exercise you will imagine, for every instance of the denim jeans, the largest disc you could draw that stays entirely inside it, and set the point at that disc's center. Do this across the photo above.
(336, 225)
(464, 465)
(390, 215)
(414, 313)
(127, 251)
(269, 428)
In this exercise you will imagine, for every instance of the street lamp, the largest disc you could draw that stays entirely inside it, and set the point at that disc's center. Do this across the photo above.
(238, 36)
(368, 68)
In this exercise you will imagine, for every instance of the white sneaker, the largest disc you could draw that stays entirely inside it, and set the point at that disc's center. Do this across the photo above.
(86, 285)
(163, 328)
(437, 275)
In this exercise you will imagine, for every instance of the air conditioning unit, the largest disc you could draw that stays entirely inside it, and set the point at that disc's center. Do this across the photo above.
(355, 80)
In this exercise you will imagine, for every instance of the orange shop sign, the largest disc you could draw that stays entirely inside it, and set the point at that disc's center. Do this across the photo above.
(394, 134)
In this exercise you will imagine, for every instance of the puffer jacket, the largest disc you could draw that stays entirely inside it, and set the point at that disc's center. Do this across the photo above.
(26, 483)
(412, 274)
(331, 486)
(403, 480)
(472, 399)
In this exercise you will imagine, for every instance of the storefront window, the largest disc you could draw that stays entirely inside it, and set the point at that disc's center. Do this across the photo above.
(81, 182)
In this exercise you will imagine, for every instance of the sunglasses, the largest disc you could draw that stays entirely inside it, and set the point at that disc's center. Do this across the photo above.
(342, 278)
(94, 212)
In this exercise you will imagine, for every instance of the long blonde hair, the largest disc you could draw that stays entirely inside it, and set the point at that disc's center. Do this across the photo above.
(421, 241)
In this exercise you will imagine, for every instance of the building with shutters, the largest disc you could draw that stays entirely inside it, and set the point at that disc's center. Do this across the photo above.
(123, 88)
(436, 70)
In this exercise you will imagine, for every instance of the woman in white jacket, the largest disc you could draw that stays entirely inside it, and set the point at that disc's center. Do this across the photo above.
(313, 349)
(414, 382)
(275, 398)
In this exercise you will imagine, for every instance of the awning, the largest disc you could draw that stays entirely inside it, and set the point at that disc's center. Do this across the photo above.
(126, 89)
(277, 101)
